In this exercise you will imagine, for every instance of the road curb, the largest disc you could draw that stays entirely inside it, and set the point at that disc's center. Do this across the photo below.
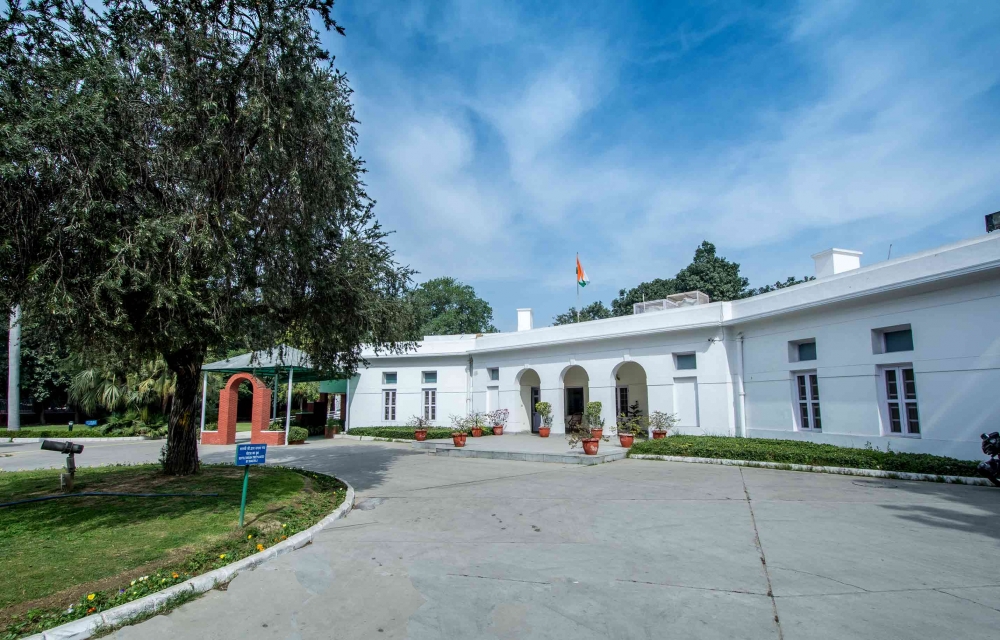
(843, 471)
(86, 627)
(347, 436)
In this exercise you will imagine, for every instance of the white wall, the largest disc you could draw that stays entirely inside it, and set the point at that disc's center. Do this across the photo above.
(366, 393)
(955, 360)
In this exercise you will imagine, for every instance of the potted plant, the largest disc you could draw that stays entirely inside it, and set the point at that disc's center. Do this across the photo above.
(297, 435)
(499, 420)
(631, 424)
(419, 427)
(544, 409)
(459, 426)
(661, 423)
(474, 423)
(333, 427)
(592, 419)
(583, 436)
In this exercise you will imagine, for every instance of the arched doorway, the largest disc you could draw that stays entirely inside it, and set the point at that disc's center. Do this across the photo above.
(576, 395)
(530, 394)
(631, 392)
(228, 401)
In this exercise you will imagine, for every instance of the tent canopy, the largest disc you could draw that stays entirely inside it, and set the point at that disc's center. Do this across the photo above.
(275, 361)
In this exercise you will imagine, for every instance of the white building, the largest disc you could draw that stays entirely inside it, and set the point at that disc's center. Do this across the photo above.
(900, 354)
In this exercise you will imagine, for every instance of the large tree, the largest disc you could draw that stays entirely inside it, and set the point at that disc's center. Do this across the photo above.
(712, 274)
(656, 289)
(177, 177)
(445, 306)
(593, 311)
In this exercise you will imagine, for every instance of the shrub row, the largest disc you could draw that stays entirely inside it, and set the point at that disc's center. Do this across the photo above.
(406, 433)
(65, 434)
(808, 453)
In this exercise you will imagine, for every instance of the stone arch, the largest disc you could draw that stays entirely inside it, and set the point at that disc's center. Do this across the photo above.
(631, 376)
(574, 378)
(528, 382)
(228, 397)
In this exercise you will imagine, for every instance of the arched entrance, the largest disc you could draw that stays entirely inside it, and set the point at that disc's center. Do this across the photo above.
(228, 399)
(631, 392)
(576, 395)
(530, 394)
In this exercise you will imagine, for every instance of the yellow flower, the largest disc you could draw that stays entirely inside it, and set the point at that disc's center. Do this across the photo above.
(222, 556)
(284, 526)
(176, 576)
(133, 583)
(90, 597)
(249, 536)
(260, 547)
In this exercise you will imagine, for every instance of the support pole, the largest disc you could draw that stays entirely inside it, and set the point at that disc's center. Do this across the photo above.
(14, 372)
(204, 397)
(243, 500)
(345, 414)
(274, 409)
(288, 407)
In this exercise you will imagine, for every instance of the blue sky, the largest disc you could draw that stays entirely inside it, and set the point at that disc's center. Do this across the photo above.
(501, 138)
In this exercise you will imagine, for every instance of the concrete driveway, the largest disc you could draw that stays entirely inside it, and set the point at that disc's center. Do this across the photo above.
(470, 548)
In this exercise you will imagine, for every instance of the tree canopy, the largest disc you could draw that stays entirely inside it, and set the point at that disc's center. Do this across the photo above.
(445, 306)
(653, 290)
(593, 311)
(179, 177)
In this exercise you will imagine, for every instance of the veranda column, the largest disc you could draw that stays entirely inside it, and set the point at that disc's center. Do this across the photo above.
(14, 372)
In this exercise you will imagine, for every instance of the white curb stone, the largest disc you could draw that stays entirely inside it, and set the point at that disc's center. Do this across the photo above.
(843, 471)
(85, 627)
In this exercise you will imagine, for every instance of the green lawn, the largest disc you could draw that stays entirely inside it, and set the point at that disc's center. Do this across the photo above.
(806, 453)
(240, 426)
(63, 550)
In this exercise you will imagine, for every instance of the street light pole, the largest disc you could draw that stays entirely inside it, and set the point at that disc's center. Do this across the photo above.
(14, 372)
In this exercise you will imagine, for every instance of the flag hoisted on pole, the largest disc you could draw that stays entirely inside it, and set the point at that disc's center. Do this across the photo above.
(581, 281)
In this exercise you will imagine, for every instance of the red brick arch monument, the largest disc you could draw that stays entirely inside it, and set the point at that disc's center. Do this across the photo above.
(226, 433)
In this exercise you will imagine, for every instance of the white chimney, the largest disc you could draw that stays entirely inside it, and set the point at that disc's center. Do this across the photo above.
(525, 320)
(834, 261)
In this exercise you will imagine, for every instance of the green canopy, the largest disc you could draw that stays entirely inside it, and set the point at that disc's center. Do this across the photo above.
(333, 386)
(276, 361)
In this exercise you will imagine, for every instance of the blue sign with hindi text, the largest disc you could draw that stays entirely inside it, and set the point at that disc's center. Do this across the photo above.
(251, 454)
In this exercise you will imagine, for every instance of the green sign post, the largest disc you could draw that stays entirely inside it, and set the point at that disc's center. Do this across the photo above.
(246, 455)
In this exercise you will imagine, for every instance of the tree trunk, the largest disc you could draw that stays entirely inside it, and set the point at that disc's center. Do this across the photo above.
(181, 455)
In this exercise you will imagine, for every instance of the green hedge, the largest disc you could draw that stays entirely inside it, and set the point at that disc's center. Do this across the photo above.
(406, 433)
(60, 433)
(809, 453)
(297, 434)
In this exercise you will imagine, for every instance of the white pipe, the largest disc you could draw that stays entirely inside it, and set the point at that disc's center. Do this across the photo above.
(288, 408)
(14, 372)
(741, 389)
(204, 397)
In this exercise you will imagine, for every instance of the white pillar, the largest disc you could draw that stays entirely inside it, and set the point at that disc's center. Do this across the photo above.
(204, 397)
(345, 413)
(288, 407)
(14, 372)
(274, 402)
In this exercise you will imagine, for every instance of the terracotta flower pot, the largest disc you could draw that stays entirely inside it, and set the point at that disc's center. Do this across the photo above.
(497, 431)
(597, 433)
(543, 432)
(659, 434)
(328, 432)
(458, 439)
(590, 446)
(626, 439)
(477, 432)
(420, 435)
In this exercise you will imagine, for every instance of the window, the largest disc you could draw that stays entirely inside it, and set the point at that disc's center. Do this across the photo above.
(901, 340)
(807, 351)
(807, 395)
(389, 377)
(686, 361)
(901, 400)
(389, 404)
(430, 377)
(622, 400)
(430, 404)
(494, 374)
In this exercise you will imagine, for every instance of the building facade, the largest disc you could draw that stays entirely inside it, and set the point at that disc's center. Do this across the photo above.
(901, 354)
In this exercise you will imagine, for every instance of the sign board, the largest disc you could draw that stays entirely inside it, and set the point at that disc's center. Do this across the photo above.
(247, 454)
(91, 423)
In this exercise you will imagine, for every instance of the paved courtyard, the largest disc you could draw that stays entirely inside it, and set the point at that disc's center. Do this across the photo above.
(473, 548)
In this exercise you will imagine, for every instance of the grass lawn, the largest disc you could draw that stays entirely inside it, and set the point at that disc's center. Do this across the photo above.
(240, 426)
(62, 551)
(808, 453)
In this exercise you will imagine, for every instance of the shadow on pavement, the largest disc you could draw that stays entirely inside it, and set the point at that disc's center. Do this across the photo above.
(977, 508)
(364, 466)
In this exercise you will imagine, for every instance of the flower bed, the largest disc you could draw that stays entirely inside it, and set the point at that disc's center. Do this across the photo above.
(807, 453)
(79, 556)
(404, 433)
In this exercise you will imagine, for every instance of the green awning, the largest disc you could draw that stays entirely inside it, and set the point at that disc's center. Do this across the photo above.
(333, 386)
(277, 361)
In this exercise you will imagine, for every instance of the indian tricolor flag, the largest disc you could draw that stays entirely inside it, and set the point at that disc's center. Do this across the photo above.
(581, 276)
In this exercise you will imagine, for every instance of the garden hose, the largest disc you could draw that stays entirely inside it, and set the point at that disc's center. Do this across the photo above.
(110, 494)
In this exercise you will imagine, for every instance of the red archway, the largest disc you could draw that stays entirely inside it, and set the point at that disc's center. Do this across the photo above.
(259, 434)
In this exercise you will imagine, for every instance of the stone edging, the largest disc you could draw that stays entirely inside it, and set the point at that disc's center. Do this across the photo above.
(85, 627)
(347, 436)
(844, 471)
(122, 439)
